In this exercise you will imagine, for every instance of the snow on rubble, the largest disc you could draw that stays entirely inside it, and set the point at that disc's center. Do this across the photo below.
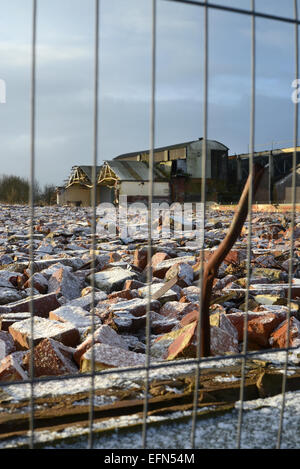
(67, 312)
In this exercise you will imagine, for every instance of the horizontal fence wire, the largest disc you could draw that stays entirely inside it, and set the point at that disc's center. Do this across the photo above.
(155, 366)
(197, 362)
(241, 11)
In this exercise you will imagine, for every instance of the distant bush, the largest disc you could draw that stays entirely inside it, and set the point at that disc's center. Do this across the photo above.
(48, 195)
(15, 190)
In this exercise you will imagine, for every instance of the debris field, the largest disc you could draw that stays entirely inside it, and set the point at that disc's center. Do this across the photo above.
(64, 315)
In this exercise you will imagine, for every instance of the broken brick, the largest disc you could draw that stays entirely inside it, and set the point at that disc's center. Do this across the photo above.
(51, 358)
(106, 356)
(140, 258)
(279, 335)
(42, 305)
(7, 344)
(11, 367)
(43, 329)
(103, 335)
(65, 283)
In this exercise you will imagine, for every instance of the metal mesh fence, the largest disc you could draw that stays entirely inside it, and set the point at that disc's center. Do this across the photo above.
(196, 363)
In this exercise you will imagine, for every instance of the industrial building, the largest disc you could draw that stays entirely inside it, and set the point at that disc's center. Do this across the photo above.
(177, 176)
(276, 185)
(77, 190)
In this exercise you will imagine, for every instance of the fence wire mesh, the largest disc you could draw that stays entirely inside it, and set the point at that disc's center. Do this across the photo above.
(196, 363)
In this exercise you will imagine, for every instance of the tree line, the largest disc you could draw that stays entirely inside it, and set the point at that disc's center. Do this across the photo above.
(15, 190)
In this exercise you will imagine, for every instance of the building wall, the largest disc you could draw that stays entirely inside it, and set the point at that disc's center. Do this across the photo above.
(263, 192)
(283, 189)
(135, 188)
(75, 195)
(289, 195)
(106, 194)
(194, 160)
(60, 196)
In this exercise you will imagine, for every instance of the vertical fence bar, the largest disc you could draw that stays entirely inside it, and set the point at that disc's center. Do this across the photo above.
(31, 207)
(250, 200)
(94, 201)
(150, 200)
(202, 225)
(31, 220)
(292, 226)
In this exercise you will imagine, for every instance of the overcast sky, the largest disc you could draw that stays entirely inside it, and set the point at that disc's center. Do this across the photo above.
(65, 67)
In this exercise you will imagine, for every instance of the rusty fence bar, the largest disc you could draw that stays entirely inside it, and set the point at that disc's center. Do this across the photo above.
(253, 13)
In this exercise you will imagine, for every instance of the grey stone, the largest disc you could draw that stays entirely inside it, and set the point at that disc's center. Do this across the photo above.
(112, 279)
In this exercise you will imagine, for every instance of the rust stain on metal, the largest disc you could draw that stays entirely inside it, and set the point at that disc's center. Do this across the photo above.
(212, 266)
(214, 262)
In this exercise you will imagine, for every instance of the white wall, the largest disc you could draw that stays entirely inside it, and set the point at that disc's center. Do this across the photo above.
(131, 188)
(74, 193)
(194, 159)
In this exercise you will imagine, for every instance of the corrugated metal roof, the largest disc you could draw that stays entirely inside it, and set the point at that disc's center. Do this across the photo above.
(134, 170)
(213, 144)
(88, 170)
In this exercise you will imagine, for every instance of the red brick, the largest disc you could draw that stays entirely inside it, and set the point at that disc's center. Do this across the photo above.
(106, 356)
(158, 258)
(40, 283)
(238, 320)
(260, 328)
(140, 258)
(79, 317)
(126, 294)
(177, 309)
(7, 344)
(136, 306)
(124, 321)
(183, 345)
(103, 335)
(9, 318)
(221, 342)
(190, 317)
(278, 336)
(42, 305)
(42, 329)
(133, 285)
(51, 358)
(235, 257)
(161, 324)
(65, 283)
(11, 367)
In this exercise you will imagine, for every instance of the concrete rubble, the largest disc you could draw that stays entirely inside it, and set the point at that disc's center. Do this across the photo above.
(66, 312)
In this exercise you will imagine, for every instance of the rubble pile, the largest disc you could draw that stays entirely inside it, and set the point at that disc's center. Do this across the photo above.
(72, 326)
